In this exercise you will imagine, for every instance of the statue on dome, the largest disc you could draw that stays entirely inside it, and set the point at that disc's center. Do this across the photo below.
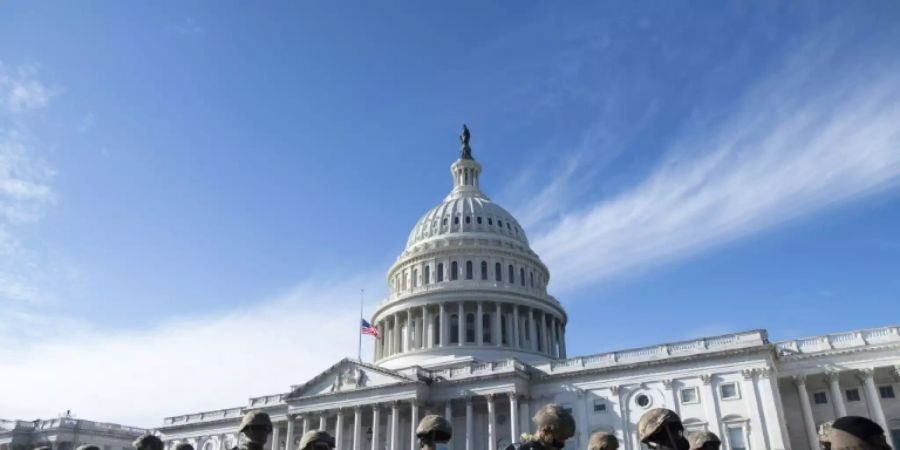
(465, 151)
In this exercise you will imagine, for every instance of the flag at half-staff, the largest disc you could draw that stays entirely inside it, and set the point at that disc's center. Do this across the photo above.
(367, 328)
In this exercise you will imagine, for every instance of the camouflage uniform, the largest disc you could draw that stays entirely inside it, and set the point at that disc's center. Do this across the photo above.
(433, 429)
(148, 442)
(704, 440)
(603, 441)
(255, 427)
(316, 437)
(857, 433)
(663, 429)
(184, 446)
(552, 423)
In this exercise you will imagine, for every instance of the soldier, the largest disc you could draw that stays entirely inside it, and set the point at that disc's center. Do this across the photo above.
(857, 433)
(88, 447)
(43, 447)
(148, 442)
(661, 428)
(433, 429)
(554, 426)
(704, 440)
(316, 440)
(184, 446)
(256, 427)
(603, 441)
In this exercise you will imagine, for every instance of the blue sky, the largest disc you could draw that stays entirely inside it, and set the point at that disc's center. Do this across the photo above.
(189, 188)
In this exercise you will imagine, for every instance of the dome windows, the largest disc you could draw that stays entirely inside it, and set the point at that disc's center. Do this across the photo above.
(522, 276)
(470, 328)
(428, 275)
(440, 272)
(454, 271)
(490, 221)
(512, 275)
(456, 220)
(499, 223)
(468, 270)
(498, 272)
(478, 220)
(468, 220)
(484, 270)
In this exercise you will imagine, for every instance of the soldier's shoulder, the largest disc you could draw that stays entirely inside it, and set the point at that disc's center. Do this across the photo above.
(530, 445)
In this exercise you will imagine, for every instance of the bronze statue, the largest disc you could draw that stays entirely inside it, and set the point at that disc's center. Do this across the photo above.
(255, 428)
(433, 430)
(148, 442)
(465, 151)
(661, 429)
(603, 441)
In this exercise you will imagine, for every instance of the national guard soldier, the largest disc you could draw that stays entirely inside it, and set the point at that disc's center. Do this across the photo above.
(148, 442)
(857, 433)
(432, 430)
(554, 425)
(184, 446)
(704, 440)
(603, 441)
(662, 429)
(256, 427)
(316, 440)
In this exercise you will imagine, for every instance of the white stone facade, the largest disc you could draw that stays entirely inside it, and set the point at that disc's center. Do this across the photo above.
(66, 433)
(469, 331)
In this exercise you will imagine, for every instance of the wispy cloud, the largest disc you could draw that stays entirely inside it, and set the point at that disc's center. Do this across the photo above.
(186, 27)
(183, 365)
(812, 135)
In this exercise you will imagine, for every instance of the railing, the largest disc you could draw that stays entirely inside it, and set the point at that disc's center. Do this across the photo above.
(851, 339)
(68, 422)
(479, 369)
(267, 400)
(697, 346)
(204, 416)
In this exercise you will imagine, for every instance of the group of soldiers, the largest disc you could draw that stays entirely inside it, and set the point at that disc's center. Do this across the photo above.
(659, 429)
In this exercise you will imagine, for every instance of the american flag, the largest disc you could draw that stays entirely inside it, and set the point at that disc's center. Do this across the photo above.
(367, 328)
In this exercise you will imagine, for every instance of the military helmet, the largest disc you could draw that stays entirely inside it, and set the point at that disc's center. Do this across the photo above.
(700, 438)
(184, 446)
(88, 447)
(148, 442)
(554, 418)
(43, 447)
(316, 436)
(854, 432)
(436, 427)
(653, 421)
(255, 419)
(603, 441)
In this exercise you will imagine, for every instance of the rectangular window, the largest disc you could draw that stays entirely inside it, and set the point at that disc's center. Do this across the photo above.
(729, 391)
(820, 398)
(886, 391)
(852, 395)
(689, 395)
(736, 438)
(599, 406)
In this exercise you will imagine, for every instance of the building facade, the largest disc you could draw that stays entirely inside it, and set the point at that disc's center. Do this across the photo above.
(66, 433)
(470, 331)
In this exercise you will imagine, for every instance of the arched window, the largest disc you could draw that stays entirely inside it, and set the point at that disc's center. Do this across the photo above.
(436, 330)
(470, 328)
(468, 219)
(484, 270)
(512, 275)
(454, 329)
(499, 223)
(522, 276)
(468, 270)
(498, 272)
(531, 278)
(490, 221)
(440, 272)
(427, 274)
(415, 278)
(528, 327)
(486, 326)
(456, 220)
(454, 271)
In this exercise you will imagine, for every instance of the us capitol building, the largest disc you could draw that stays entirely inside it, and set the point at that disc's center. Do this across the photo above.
(469, 331)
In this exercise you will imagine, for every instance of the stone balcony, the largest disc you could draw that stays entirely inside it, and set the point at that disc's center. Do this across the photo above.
(206, 416)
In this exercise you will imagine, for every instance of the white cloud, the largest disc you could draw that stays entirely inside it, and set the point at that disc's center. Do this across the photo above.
(183, 365)
(812, 135)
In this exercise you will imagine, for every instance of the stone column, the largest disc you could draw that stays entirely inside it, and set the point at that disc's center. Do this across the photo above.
(876, 412)
(426, 325)
(376, 426)
(276, 437)
(462, 324)
(669, 394)
(710, 404)
(492, 423)
(497, 335)
(470, 445)
(443, 327)
(545, 334)
(515, 331)
(410, 334)
(289, 434)
(808, 420)
(413, 423)
(306, 419)
(770, 397)
(553, 337)
(756, 431)
(526, 415)
(339, 431)
(562, 340)
(322, 421)
(532, 329)
(837, 396)
(479, 325)
(395, 425)
(513, 416)
(583, 432)
(357, 426)
(448, 414)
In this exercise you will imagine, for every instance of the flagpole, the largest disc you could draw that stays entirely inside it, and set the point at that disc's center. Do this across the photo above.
(359, 325)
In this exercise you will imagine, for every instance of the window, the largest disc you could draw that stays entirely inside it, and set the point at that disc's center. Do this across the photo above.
(498, 272)
(468, 219)
(436, 330)
(729, 391)
(415, 278)
(478, 219)
(504, 335)
(404, 279)
(522, 276)
(468, 270)
(490, 221)
(736, 438)
(484, 270)
(454, 329)
(852, 395)
(454, 271)
(531, 278)
(886, 391)
(527, 324)
(508, 227)
(820, 398)
(540, 342)
(470, 328)
(486, 326)
(512, 277)
(427, 274)
(444, 221)
(440, 272)
(456, 220)
(599, 406)
(642, 400)
(499, 223)
(689, 395)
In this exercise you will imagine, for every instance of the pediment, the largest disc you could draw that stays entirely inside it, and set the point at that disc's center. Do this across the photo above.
(348, 375)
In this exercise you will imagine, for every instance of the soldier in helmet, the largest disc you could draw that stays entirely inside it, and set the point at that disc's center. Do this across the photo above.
(554, 425)
(433, 429)
(184, 446)
(148, 442)
(704, 440)
(661, 428)
(316, 440)
(255, 427)
(857, 433)
(603, 441)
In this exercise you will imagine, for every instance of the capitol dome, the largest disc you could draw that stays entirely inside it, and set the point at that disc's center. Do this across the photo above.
(467, 286)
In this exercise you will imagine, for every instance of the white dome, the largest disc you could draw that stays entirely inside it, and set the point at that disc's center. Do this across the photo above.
(463, 215)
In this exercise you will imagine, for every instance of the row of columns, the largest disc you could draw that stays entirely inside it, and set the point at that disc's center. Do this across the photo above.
(529, 329)
(873, 401)
(414, 276)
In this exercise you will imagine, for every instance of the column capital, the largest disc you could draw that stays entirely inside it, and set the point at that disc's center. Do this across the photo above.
(706, 379)
(748, 374)
(832, 375)
(799, 380)
(468, 397)
(766, 371)
(865, 374)
(513, 395)
(668, 384)
(615, 389)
